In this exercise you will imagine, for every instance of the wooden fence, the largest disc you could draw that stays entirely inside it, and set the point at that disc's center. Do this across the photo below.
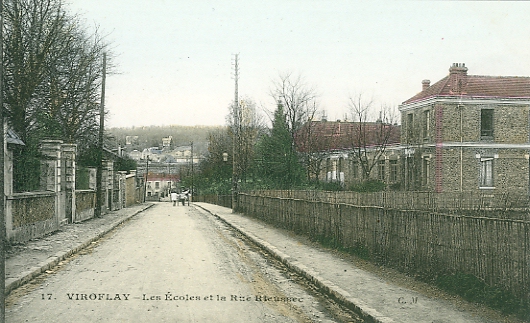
(414, 241)
(222, 200)
(486, 204)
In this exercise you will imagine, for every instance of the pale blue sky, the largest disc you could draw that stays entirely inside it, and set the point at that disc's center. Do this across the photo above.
(175, 55)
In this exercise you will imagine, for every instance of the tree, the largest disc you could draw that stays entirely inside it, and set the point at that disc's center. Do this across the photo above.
(250, 128)
(278, 161)
(52, 80)
(370, 139)
(300, 107)
(316, 141)
(298, 100)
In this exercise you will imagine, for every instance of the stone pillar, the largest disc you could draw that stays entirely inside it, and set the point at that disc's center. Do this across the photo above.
(51, 173)
(107, 185)
(68, 183)
(122, 176)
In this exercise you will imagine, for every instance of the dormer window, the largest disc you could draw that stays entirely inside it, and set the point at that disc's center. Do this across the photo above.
(486, 124)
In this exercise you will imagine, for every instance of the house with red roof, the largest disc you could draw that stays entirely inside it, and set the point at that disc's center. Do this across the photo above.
(347, 152)
(467, 133)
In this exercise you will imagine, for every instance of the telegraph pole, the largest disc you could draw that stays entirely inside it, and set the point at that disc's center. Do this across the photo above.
(2, 200)
(99, 171)
(146, 176)
(192, 173)
(235, 143)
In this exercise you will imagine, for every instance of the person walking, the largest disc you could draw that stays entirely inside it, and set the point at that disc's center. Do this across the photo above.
(174, 197)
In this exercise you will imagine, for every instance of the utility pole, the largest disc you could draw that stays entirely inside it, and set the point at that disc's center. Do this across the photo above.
(235, 143)
(146, 174)
(99, 170)
(192, 173)
(2, 200)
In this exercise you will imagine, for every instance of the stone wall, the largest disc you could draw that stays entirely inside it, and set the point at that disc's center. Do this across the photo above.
(85, 205)
(30, 215)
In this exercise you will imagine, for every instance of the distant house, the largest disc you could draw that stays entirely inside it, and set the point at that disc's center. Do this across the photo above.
(153, 153)
(131, 140)
(166, 142)
(467, 133)
(160, 185)
(135, 154)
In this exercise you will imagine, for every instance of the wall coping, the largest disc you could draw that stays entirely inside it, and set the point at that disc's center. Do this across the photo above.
(85, 191)
(28, 195)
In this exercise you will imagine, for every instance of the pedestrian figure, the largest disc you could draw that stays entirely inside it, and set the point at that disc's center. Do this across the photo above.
(184, 196)
(174, 197)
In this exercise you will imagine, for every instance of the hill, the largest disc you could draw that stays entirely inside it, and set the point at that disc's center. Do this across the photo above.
(151, 136)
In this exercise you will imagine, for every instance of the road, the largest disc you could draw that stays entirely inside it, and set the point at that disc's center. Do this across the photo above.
(171, 264)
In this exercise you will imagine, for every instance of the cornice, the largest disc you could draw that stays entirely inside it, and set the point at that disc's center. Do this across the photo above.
(463, 101)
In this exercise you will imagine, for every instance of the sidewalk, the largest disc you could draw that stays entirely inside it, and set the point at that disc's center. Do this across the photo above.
(24, 262)
(375, 298)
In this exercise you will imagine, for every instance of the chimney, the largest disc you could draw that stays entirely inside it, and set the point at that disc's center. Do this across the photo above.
(324, 116)
(425, 84)
(457, 77)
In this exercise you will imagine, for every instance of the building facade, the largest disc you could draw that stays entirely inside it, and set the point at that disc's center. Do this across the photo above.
(467, 133)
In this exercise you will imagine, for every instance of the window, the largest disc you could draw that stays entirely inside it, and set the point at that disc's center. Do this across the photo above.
(425, 171)
(486, 172)
(381, 172)
(410, 126)
(355, 169)
(393, 170)
(486, 123)
(157, 185)
(426, 124)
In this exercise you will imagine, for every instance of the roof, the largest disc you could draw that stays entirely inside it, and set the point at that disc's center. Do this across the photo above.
(334, 136)
(13, 138)
(458, 83)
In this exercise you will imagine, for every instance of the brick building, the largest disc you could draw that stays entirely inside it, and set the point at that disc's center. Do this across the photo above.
(467, 133)
(333, 151)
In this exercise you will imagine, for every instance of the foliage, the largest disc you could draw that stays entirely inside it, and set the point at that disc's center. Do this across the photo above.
(368, 186)
(125, 164)
(278, 162)
(52, 79)
(475, 290)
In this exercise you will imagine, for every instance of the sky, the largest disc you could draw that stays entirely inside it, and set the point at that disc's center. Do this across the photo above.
(175, 58)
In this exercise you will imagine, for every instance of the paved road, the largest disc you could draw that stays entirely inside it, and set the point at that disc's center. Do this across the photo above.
(170, 264)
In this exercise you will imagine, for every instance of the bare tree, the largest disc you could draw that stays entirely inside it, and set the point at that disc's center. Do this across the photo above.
(32, 29)
(52, 79)
(372, 131)
(251, 126)
(71, 110)
(316, 141)
(298, 100)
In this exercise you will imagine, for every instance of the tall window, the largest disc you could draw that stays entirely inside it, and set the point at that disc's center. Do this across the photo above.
(410, 126)
(393, 170)
(355, 169)
(381, 172)
(425, 171)
(486, 123)
(486, 172)
(426, 124)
